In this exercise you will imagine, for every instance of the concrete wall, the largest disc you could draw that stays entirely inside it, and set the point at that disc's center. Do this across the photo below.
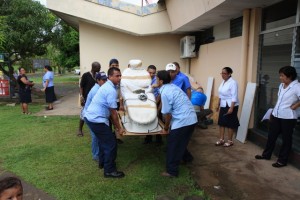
(212, 58)
(180, 15)
(102, 44)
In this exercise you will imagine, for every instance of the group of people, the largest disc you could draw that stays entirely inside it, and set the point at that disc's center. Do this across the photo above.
(25, 88)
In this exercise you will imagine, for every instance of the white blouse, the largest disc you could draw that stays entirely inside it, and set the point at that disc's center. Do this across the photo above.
(286, 98)
(228, 92)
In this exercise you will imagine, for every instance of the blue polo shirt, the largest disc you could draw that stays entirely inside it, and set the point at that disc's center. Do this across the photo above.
(49, 75)
(90, 96)
(198, 98)
(155, 90)
(186, 80)
(105, 99)
(177, 103)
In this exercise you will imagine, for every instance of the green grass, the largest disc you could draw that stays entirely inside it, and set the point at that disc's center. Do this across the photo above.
(47, 153)
(67, 78)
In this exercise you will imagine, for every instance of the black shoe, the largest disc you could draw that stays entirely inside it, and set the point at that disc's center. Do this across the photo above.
(278, 165)
(115, 174)
(119, 141)
(259, 157)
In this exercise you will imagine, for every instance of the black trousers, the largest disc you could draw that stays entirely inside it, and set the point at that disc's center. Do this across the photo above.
(286, 128)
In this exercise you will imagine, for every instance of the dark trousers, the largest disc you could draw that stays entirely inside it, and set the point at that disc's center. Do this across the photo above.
(108, 144)
(284, 127)
(178, 140)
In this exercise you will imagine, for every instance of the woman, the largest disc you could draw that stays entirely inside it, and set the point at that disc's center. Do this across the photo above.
(228, 107)
(284, 117)
(49, 87)
(24, 90)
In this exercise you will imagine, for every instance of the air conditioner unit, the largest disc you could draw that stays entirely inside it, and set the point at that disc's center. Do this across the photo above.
(187, 47)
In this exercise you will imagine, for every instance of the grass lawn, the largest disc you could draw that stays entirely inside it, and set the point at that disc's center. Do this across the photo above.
(47, 153)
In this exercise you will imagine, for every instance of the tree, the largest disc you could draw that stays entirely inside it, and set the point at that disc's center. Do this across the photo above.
(28, 27)
(66, 40)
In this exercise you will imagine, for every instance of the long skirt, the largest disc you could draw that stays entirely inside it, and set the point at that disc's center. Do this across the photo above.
(50, 95)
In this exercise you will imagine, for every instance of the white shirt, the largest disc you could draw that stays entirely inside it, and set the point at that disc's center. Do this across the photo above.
(228, 92)
(286, 98)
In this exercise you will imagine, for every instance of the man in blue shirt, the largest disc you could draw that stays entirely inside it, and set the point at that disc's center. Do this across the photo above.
(101, 78)
(185, 78)
(101, 109)
(180, 117)
(152, 72)
(198, 99)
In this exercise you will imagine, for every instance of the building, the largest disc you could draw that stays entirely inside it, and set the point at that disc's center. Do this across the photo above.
(254, 37)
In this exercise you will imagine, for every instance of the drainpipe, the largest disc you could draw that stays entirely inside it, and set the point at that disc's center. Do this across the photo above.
(189, 66)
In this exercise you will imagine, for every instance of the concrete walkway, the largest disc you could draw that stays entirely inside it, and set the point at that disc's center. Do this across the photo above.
(233, 172)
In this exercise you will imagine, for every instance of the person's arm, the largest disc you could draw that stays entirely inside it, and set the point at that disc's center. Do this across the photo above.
(234, 95)
(26, 82)
(46, 85)
(295, 105)
(189, 93)
(115, 121)
(166, 127)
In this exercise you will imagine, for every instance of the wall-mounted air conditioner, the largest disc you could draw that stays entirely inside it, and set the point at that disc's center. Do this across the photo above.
(187, 47)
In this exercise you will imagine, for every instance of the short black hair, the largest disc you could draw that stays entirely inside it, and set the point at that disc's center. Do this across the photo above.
(48, 68)
(111, 70)
(113, 60)
(9, 182)
(176, 64)
(228, 70)
(164, 76)
(289, 72)
(95, 66)
(151, 67)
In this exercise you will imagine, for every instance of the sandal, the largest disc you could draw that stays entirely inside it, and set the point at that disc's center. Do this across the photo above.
(220, 142)
(228, 143)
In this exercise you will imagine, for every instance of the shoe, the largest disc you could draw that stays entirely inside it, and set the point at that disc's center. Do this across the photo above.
(166, 174)
(119, 141)
(220, 142)
(278, 165)
(229, 143)
(259, 157)
(115, 174)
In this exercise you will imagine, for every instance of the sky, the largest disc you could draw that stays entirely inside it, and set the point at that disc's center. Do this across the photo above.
(43, 2)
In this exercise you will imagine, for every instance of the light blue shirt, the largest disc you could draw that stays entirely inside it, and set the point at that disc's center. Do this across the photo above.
(177, 103)
(90, 96)
(49, 75)
(155, 90)
(105, 99)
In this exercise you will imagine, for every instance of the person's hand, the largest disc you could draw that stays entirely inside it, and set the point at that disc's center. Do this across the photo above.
(164, 131)
(230, 110)
(81, 99)
(43, 90)
(121, 131)
(294, 106)
(121, 108)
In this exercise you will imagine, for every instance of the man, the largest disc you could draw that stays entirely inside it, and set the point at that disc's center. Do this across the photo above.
(198, 99)
(87, 82)
(180, 121)
(101, 78)
(115, 63)
(175, 79)
(152, 72)
(102, 108)
(186, 80)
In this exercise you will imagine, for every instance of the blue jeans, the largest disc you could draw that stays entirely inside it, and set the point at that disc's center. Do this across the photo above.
(95, 145)
(178, 140)
(107, 142)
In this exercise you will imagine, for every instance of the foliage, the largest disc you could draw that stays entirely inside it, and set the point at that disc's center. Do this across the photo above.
(66, 41)
(28, 28)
